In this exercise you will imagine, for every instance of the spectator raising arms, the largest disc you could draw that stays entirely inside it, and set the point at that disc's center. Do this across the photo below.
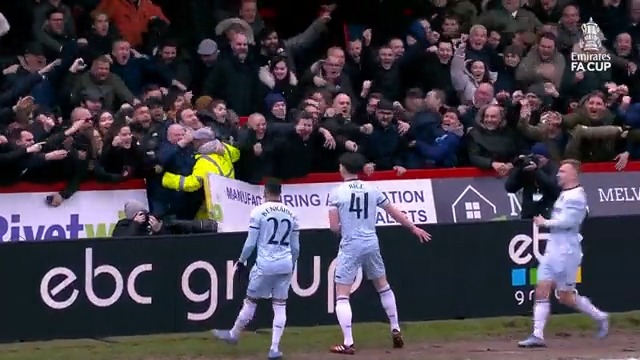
(118, 91)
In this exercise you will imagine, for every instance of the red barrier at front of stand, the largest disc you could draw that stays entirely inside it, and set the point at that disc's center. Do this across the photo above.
(313, 178)
(447, 173)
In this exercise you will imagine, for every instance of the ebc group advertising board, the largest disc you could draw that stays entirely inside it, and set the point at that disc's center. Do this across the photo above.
(132, 286)
(231, 201)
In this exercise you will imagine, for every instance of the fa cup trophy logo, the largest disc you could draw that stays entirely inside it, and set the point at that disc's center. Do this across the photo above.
(591, 36)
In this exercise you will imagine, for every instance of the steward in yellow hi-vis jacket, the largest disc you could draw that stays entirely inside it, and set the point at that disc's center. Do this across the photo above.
(213, 157)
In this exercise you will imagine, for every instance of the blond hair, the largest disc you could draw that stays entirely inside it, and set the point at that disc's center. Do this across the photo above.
(575, 164)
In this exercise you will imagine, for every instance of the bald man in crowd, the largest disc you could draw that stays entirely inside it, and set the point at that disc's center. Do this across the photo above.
(176, 155)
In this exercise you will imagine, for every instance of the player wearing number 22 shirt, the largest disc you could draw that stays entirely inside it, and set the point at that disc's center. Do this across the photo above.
(273, 230)
(352, 214)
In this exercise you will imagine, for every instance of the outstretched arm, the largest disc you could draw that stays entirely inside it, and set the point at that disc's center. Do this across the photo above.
(403, 220)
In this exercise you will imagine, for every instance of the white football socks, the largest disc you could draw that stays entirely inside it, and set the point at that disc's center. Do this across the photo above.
(541, 310)
(279, 322)
(343, 313)
(586, 306)
(388, 300)
(245, 315)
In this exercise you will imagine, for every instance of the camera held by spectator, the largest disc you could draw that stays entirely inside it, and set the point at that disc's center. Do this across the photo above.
(535, 174)
(138, 222)
(198, 226)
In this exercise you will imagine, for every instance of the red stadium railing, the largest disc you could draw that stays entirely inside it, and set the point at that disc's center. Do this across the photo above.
(312, 178)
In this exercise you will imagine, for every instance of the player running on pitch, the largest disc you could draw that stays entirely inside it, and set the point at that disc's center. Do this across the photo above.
(273, 229)
(352, 214)
(563, 255)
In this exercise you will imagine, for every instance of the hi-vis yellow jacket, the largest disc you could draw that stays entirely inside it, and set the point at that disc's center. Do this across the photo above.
(205, 164)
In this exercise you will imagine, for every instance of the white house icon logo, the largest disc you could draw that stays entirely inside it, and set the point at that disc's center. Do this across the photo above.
(471, 205)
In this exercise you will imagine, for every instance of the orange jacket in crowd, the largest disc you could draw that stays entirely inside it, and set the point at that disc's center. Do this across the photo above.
(131, 20)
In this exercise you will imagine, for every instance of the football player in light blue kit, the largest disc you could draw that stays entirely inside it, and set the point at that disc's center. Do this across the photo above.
(273, 229)
(352, 214)
(559, 266)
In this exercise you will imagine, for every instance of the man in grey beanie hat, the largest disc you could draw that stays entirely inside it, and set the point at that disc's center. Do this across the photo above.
(138, 222)
(133, 207)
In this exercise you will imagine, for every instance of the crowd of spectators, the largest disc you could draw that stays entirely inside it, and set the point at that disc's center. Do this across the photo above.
(107, 93)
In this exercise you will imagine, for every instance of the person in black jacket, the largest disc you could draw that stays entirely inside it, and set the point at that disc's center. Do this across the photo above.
(11, 157)
(384, 147)
(535, 174)
(235, 79)
(256, 143)
(63, 156)
(301, 150)
(138, 222)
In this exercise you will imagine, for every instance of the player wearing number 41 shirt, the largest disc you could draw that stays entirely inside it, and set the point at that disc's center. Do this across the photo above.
(273, 229)
(352, 214)
(563, 255)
